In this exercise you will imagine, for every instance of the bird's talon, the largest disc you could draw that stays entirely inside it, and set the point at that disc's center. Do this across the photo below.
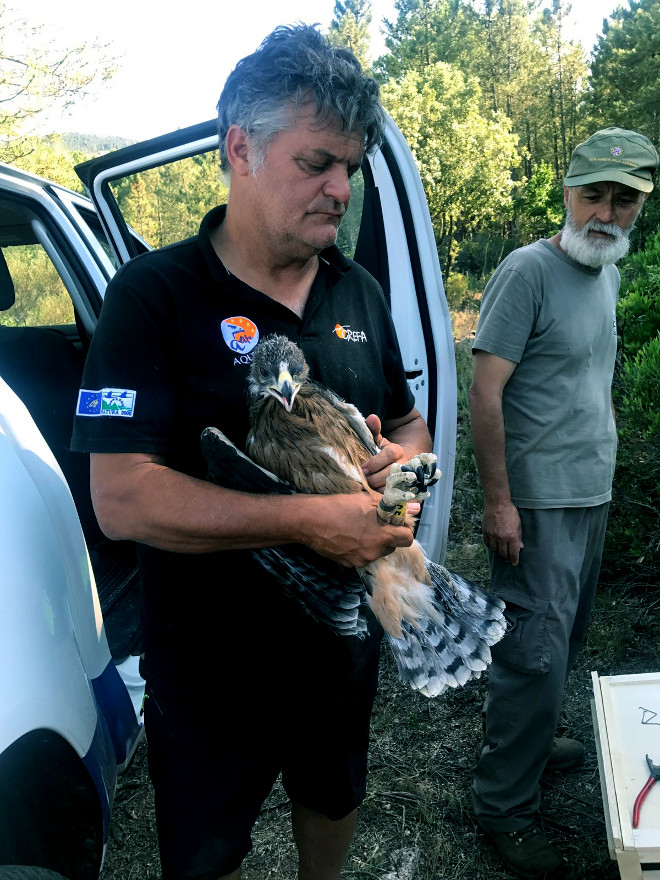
(415, 476)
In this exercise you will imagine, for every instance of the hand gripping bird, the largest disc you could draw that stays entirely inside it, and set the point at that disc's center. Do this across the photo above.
(304, 438)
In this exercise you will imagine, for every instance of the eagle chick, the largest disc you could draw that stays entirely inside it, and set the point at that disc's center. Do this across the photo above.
(307, 439)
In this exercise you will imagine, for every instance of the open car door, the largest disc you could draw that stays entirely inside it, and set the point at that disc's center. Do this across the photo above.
(164, 186)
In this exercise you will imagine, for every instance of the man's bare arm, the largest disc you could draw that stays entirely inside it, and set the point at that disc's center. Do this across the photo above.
(502, 530)
(136, 497)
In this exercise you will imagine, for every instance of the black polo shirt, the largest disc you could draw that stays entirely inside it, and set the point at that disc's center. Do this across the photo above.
(171, 356)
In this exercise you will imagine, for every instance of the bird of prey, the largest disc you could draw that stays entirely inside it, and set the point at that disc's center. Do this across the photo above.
(304, 438)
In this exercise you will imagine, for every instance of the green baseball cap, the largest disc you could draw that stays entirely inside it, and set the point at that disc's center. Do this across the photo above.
(615, 155)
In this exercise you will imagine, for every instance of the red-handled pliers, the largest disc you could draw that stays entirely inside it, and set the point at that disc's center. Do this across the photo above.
(648, 785)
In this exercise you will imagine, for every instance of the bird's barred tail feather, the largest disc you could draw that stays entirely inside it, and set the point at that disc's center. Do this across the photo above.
(451, 646)
(465, 600)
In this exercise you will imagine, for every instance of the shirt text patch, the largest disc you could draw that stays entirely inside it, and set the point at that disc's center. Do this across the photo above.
(106, 402)
(343, 331)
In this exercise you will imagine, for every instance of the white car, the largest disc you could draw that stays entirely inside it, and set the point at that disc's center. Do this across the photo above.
(70, 690)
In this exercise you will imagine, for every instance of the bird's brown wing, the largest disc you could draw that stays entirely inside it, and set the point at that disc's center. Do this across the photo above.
(329, 592)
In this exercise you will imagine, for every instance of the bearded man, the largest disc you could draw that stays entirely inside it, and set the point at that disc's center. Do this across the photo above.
(545, 444)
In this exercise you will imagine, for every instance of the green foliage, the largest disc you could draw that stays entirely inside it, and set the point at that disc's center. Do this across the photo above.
(456, 290)
(525, 67)
(460, 297)
(625, 71)
(633, 541)
(480, 254)
(467, 504)
(541, 205)
(638, 312)
(426, 32)
(640, 382)
(464, 158)
(347, 236)
(41, 298)
(522, 78)
(632, 548)
(558, 87)
(350, 28)
(92, 144)
(48, 157)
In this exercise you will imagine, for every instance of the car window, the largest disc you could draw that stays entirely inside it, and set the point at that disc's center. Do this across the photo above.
(41, 299)
(93, 224)
(167, 203)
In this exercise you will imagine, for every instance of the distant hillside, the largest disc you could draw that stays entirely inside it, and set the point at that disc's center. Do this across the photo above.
(92, 144)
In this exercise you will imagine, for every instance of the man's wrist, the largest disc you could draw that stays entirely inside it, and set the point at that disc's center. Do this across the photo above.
(300, 517)
(499, 499)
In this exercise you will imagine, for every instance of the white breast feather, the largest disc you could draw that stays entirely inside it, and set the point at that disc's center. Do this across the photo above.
(348, 467)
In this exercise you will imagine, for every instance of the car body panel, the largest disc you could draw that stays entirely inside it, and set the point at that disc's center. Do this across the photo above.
(56, 672)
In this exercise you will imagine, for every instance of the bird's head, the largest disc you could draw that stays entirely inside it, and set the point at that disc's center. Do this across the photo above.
(278, 369)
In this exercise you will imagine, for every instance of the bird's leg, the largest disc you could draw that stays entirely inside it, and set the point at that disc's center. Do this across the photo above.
(407, 482)
(399, 489)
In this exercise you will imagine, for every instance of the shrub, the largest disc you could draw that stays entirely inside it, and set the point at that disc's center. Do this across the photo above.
(456, 290)
(640, 378)
(639, 305)
(632, 549)
(633, 542)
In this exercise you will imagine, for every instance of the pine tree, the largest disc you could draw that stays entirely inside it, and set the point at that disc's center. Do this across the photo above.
(350, 28)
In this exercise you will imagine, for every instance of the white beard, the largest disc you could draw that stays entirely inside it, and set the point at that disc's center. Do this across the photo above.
(592, 252)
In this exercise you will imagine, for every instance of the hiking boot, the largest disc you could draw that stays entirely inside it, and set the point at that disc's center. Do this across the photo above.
(527, 852)
(566, 754)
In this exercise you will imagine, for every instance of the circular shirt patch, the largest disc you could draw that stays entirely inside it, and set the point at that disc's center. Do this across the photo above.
(616, 151)
(240, 334)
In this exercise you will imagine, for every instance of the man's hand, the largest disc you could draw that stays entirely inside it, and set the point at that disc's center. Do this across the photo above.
(377, 468)
(502, 530)
(346, 528)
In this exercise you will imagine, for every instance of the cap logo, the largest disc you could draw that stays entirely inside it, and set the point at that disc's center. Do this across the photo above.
(616, 151)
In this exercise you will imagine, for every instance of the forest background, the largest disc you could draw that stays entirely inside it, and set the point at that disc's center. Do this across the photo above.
(491, 97)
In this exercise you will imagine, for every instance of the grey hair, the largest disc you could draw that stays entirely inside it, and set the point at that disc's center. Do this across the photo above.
(295, 66)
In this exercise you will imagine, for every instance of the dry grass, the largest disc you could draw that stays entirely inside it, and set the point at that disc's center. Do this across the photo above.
(416, 823)
(464, 324)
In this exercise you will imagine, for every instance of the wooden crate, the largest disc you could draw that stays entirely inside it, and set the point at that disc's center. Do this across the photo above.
(626, 717)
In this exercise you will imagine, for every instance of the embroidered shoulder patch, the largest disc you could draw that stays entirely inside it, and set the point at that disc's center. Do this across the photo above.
(240, 334)
(106, 402)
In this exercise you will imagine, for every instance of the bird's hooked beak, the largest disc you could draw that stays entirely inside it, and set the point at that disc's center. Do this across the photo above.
(285, 390)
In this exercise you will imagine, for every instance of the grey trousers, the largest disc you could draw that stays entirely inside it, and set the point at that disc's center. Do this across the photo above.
(549, 597)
